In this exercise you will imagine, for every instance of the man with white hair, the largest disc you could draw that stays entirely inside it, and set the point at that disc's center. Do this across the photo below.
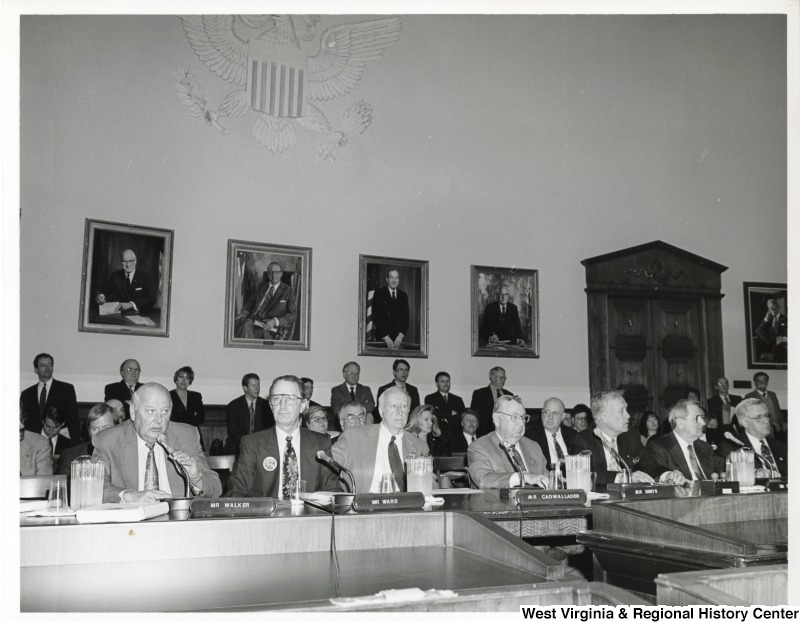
(755, 425)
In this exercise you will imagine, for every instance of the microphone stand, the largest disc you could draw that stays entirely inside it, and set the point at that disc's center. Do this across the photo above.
(178, 466)
(517, 466)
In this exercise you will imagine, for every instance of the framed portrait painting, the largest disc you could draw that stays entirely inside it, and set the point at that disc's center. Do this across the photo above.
(126, 279)
(392, 307)
(766, 325)
(505, 312)
(268, 296)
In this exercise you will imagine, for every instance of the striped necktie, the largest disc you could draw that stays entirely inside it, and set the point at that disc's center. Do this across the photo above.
(694, 465)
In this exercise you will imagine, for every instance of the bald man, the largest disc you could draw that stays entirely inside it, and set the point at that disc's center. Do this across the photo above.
(552, 436)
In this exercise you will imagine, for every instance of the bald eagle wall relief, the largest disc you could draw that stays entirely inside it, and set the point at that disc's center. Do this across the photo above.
(277, 81)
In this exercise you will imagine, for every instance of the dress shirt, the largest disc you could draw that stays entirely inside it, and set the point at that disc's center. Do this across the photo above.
(295, 434)
(551, 443)
(684, 445)
(129, 278)
(47, 384)
(382, 457)
(611, 459)
(161, 464)
(756, 443)
(470, 438)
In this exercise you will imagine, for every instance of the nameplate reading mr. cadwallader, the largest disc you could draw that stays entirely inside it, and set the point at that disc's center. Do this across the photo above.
(531, 496)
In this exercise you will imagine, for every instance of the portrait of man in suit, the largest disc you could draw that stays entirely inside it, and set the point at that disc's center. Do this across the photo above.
(270, 313)
(501, 321)
(132, 289)
(390, 311)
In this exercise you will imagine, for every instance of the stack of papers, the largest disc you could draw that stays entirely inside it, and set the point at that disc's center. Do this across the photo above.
(121, 512)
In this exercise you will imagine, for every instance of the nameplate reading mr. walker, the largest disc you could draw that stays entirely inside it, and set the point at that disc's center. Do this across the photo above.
(206, 507)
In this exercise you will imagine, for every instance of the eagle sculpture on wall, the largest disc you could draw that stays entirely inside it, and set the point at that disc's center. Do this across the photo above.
(278, 81)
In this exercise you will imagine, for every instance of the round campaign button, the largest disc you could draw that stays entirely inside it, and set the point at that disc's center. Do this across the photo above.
(270, 464)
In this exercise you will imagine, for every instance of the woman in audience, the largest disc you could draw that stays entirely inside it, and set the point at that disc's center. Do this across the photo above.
(100, 417)
(315, 419)
(422, 422)
(648, 426)
(582, 417)
(187, 406)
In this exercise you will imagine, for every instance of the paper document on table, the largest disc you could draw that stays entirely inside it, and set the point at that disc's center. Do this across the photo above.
(32, 506)
(109, 308)
(140, 320)
(121, 512)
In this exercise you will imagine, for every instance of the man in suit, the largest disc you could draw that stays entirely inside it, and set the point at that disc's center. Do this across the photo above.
(772, 332)
(308, 391)
(500, 322)
(483, 399)
(130, 370)
(465, 436)
(271, 461)
(682, 448)
(247, 414)
(60, 395)
(271, 311)
(134, 290)
(51, 429)
(615, 449)
(351, 390)
(772, 456)
(136, 466)
(400, 369)
(761, 380)
(369, 451)
(552, 436)
(723, 404)
(490, 465)
(34, 452)
(390, 311)
(448, 405)
(351, 414)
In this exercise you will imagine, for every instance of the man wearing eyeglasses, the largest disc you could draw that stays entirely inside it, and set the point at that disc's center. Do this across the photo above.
(271, 461)
(352, 414)
(682, 449)
(755, 425)
(123, 390)
(550, 433)
(134, 291)
(496, 459)
(352, 390)
(723, 404)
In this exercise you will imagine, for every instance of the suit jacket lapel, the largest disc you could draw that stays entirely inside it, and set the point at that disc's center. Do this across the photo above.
(308, 463)
(129, 453)
(271, 479)
(369, 455)
(677, 455)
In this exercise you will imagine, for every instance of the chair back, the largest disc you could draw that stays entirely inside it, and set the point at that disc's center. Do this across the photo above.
(37, 486)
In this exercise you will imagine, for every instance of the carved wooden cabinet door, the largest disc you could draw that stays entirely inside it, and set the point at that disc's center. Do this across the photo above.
(677, 327)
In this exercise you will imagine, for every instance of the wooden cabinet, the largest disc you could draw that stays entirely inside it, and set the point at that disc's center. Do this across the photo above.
(655, 324)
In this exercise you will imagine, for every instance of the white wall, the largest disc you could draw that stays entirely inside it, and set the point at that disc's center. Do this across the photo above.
(530, 141)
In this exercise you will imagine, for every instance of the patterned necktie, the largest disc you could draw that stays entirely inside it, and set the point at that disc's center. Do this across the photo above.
(694, 465)
(352, 394)
(615, 464)
(289, 469)
(397, 466)
(252, 416)
(559, 453)
(42, 400)
(150, 471)
(517, 458)
(769, 457)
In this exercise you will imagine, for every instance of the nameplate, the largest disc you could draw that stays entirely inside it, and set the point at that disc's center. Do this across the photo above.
(642, 491)
(525, 497)
(206, 507)
(712, 487)
(773, 483)
(388, 502)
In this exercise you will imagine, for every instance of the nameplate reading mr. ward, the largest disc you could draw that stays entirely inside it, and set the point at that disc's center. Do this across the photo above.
(388, 502)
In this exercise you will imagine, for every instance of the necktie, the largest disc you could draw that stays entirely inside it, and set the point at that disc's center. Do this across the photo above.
(252, 416)
(499, 392)
(352, 394)
(503, 311)
(559, 453)
(289, 469)
(444, 397)
(615, 464)
(473, 439)
(769, 457)
(394, 295)
(694, 465)
(397, 466)
(517, 459)
(42, 400)
(131, 389)
(150, 471)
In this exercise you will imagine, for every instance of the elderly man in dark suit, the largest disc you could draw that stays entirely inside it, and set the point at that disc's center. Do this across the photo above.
(400, 369)
(615, 449)
(772, 458)
(552, 436)
(271, 461)
(682, 449)
(123, 391)
(137, 468)
(723, 405)
(351, 391)
(135, 290)
(60, 395)
(247, 414)
(449, 406)
(271, 310)
(390, 311)
(500, 323)
(483, 399)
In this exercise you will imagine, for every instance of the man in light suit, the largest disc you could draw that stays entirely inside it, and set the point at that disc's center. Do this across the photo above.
(126, 451)
(449, 406)
(272, 460)
(615, 448)
(483, 399)
(60, 395)
(500, 323)
(723, 405)
(754, 432)
(390, 311)
(369, 451)
(492, 466)
(271, 311)
(400, 369)
(34, 452)
(350, 390)
(135, 290)
(761, 380)
(683, 447)
(130, 370)
(248, 413)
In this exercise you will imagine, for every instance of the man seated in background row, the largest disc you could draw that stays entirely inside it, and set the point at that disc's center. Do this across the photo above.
(682, 448)
(52, 426)
(119, 409)
(130, 370)
(100, 417)
(246, 414)
(34, 452)
(271, 461)
(496, 459)
(461, 440)
(552, 436)
(370, 451)
(351, 390)
(615, 449)
(351, 414)
(772, 458)
(136, 466)
(448, 405)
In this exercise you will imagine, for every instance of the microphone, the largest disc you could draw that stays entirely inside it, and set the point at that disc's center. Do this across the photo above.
(162, 440)
(731, 437)
(323, 457)
(514, 462)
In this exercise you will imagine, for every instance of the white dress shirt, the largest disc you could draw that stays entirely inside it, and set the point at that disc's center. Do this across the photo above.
(382, 457)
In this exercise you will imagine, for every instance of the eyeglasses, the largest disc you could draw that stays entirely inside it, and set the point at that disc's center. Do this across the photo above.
(291, 400)
(516, 418)
(698, 418)
(352, 418)
(130, 369)
(552, 413)
(761, 417)
(319, 419)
